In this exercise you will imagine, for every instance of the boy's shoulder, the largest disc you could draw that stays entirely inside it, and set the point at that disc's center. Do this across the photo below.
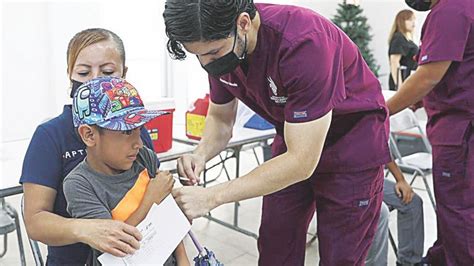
(148, 159)
(78, 182)
(80, 173)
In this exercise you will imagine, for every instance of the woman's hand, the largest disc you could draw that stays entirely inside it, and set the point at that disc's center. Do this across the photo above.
(109, 236)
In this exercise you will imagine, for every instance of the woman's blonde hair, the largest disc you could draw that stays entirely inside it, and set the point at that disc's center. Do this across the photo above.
(88, 37)
(399, 23)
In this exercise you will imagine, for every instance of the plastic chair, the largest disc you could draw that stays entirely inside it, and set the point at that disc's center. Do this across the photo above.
(419, 163)
(9, 222)
(33, 244)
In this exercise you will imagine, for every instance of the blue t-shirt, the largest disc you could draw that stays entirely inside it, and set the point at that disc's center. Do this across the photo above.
(55, 149)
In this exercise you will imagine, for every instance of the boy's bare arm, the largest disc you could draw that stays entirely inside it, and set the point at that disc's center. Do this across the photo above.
(158, 188)
(402, 188)
(396, 172)
(181, 255)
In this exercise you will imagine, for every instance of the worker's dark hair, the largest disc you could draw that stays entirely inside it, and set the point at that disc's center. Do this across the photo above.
(201, 20)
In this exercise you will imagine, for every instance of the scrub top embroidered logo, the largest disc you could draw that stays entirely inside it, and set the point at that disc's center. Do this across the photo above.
(363, 203)
(277, 99)
(300, 114)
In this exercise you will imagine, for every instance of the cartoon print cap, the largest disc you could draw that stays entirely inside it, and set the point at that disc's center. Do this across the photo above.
(110, 103)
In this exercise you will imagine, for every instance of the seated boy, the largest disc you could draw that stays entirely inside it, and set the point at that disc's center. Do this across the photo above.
(117, 178)
(409, 206)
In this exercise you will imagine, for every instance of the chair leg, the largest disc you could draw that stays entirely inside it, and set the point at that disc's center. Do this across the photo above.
(36, 252)
(413, 178)
(33, 244)
(256, 156)
(13, 213)
(313, 236)
(20, 241)
(224, 168)
(5, 243)
(392, 243)
(428, 189)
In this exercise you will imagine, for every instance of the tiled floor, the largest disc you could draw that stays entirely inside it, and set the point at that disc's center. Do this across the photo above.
(231, 247)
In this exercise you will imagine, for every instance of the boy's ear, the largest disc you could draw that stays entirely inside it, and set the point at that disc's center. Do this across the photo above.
(88, 135)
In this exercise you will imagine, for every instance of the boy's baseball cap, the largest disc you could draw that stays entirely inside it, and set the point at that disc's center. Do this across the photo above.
(110, 103)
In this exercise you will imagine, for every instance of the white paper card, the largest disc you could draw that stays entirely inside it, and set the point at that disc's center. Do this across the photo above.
(162, 229)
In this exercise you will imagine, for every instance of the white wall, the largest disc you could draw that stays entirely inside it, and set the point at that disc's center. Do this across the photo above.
(380, 15)
(188, 81)
(35, 36)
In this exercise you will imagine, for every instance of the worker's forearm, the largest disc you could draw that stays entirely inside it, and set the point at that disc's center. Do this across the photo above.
(215, 138)
(412, 90)
(273, 175)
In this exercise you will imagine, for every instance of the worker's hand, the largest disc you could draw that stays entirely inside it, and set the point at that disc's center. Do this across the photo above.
(404, 191)
(190, 166)
(109, 236)
(416, 106)
(194, 201)
(159, 187)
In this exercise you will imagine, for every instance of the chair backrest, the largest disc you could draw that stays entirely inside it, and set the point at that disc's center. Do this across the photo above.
(406, 120)
(7, 222)
(33, 244)
(403, 120)
(387, 94)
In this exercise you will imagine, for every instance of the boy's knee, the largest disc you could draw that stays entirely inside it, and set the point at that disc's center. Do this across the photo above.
(417, 201)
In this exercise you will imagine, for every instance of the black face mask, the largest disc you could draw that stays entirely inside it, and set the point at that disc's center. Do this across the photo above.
(226, 63)
(75, 85)
(419, 5)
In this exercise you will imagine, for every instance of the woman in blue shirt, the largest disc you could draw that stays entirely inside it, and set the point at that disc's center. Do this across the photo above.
(55, 149)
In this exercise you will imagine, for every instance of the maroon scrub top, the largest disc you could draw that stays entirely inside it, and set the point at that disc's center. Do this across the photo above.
(448, 35)
(303, 67)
